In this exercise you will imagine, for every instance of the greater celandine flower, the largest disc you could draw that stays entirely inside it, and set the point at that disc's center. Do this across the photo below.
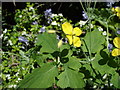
(116, 42)
(72, 34)
(116, 10)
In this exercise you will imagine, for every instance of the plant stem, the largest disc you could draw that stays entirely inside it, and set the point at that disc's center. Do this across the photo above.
(108, 30)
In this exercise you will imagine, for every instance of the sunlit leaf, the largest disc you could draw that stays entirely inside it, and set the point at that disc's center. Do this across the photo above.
(116, 80)
(41, 77)
(70, 78)
(48, 42)
(93, 41)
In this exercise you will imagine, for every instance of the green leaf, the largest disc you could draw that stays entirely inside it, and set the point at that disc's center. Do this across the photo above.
(41, 77)
(65, 51)
(40, 59)
(73, 63)
(116, 80)
(64, 46)
(48, 42)
(93, 41)
(87, 70)
(70, 78)
(100, 63)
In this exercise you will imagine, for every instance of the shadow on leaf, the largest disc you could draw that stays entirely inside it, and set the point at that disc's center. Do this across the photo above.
(64, 52)
(105, 57)
(64, 60)
(55, 54)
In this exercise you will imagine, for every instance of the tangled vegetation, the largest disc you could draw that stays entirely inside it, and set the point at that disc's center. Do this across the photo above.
(43, 49)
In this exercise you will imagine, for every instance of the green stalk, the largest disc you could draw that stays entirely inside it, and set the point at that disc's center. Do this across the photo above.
(108, 30)
(82, 5)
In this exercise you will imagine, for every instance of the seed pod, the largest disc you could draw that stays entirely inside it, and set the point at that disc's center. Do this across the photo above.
(51, 31)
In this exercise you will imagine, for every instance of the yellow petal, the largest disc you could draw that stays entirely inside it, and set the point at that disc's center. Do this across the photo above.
(116, 42)
(118, 14)
(76, 41)
(117, 9)
(67, 28)
(77, 31)
(113, 9)
(115, 52)
(69, 37)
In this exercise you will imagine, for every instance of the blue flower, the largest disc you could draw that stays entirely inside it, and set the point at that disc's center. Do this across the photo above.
(35, 22)
(42, 29)
(118, 32)
(65, 40)
(84, 14)
(110, 46)
(23, 39)
(48, 15)
(59, 37)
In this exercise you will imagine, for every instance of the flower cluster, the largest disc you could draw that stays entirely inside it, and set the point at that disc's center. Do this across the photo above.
(84, 14)
(48, 15)
(23, 39)
(72, 34)
(42, 29)
(117, 11)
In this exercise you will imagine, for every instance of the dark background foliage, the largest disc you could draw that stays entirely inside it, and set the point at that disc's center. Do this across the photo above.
(70, 10)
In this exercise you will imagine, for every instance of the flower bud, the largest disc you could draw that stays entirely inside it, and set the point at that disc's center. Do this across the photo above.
(51, 31)
(59, 43)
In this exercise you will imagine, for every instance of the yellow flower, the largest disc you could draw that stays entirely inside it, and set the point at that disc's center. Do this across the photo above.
(116, 42)
(118, 14)
(72, 34)
(113, 9)
(117, 11)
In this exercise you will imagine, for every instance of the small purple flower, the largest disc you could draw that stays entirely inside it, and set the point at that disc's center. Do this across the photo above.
(48, 15)
(49, 20)
(118, 32)
(23, 39)
(84, 15)
(42, 29)
(59, 37)
(35, 22)
(65, 40)
(110, 46)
